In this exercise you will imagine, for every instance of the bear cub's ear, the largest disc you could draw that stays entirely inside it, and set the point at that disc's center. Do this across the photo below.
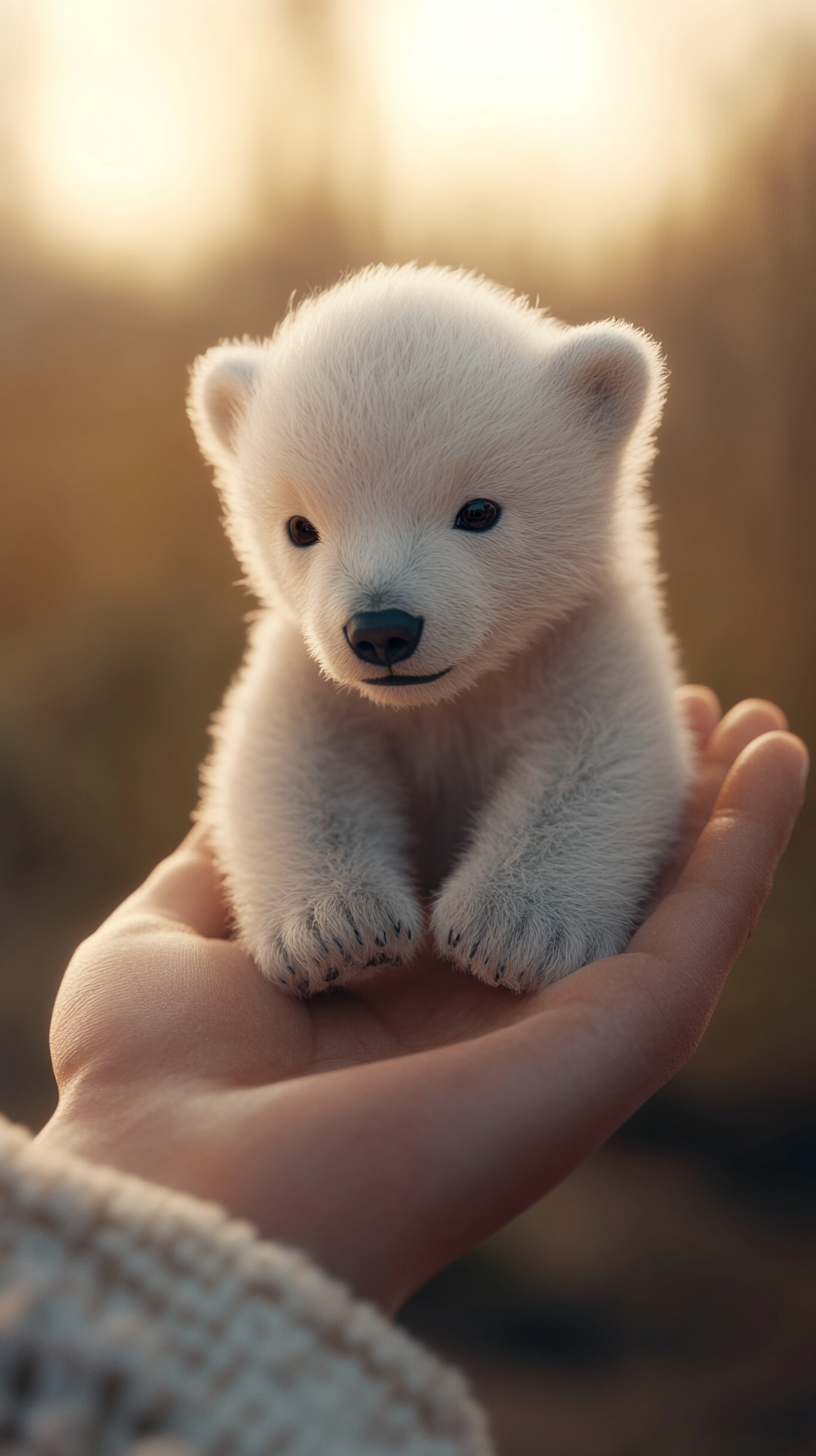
(221, 387)
(608, 372)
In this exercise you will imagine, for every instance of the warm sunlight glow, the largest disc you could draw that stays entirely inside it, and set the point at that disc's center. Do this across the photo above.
(496, 68)
(151, 134)
(582, 114)
(121, 143)
(128, 156)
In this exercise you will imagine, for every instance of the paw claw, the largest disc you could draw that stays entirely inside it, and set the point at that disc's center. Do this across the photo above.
(334, 940)
(474, 950)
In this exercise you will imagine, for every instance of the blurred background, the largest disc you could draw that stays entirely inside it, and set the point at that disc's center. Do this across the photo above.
(171, 172)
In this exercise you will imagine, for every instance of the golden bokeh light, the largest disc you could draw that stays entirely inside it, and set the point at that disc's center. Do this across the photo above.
(136, 134)
(151, 127)
(580, 117)
(491, 71)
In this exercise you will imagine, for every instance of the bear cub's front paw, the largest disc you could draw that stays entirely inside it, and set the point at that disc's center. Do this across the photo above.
(336, 939)
(524, 942)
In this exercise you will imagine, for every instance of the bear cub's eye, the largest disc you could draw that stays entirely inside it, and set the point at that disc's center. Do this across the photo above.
(477, 515)
(301, 531)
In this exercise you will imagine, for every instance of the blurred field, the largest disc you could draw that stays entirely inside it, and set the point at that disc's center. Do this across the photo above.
(664, 1299)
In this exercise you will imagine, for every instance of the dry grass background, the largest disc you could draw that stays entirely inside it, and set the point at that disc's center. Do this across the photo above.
(664, 1299)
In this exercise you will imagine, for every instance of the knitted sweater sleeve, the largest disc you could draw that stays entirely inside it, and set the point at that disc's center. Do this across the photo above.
(131, 1316)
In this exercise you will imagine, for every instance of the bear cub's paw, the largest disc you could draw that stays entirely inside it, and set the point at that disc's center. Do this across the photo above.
(519, 941)
(337, 939)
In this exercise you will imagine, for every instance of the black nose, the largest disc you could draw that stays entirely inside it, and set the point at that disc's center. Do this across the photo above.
(383, 637)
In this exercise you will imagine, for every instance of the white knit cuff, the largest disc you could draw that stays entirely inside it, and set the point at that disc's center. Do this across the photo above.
(128, 1311)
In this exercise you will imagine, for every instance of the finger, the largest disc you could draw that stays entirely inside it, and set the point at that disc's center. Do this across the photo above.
(454, 1142)
(742, 723)
(186, 889)
(713, 908)
(740, 726)
(701, 709)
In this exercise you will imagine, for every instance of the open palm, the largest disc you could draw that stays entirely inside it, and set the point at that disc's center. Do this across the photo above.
(387, 1128)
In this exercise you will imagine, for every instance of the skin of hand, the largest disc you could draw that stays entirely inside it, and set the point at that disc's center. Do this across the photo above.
(387, 1129)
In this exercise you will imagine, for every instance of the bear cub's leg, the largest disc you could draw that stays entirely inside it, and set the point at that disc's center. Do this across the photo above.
(307, 823)
(566, 849)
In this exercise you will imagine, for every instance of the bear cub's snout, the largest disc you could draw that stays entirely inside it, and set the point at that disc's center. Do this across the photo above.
(383, 637)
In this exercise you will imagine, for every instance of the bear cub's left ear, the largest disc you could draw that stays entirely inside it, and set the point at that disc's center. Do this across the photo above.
(610, 374)
(221, 387)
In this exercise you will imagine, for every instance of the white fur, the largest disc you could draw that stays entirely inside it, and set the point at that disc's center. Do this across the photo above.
(535, 789)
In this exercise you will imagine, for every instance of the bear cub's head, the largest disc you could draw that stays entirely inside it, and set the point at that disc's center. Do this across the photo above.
(425, 472)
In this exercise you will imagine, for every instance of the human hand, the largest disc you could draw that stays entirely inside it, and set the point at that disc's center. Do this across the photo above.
(389, 1128)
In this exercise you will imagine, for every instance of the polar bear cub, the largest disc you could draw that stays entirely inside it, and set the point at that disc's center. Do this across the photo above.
(460, 682)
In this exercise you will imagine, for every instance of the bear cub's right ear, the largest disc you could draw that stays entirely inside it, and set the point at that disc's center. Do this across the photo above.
(221, 387)
(608, 372)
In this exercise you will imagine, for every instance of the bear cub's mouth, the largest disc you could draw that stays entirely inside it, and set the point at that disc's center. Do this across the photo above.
(404, 679)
